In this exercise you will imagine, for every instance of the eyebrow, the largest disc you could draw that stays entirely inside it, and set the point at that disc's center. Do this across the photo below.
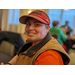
(37, 22)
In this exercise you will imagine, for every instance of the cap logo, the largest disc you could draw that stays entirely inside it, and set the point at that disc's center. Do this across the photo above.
(35, 13)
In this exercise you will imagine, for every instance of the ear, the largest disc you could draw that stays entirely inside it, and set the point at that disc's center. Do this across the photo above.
(48, 28)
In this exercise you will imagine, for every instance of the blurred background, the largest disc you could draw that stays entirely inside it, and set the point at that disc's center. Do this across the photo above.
(9, 18)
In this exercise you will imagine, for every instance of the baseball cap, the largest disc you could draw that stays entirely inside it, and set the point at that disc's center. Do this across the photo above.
(38, 15)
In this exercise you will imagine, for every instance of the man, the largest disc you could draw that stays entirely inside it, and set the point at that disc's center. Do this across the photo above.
(60, 34)
(41, 48)
(67, 29)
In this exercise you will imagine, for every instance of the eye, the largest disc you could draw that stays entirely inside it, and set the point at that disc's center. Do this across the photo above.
(37, 25)
(28, 24)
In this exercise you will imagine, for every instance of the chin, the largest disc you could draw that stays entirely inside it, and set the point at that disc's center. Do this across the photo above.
(30, 40)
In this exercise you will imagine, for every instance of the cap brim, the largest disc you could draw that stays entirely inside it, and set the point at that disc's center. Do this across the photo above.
(23, 19)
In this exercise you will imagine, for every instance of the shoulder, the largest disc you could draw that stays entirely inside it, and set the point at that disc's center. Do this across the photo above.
(51, 28)
(49, 57)
(54, 29)
(60, 31)
(63, 26)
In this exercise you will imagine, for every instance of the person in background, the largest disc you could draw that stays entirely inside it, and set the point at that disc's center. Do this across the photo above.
(73, 35)
(56, 31)
(66, 29)
(72, 40)
(41, 48)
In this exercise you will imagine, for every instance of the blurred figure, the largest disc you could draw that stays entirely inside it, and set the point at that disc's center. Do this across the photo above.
(12, 37)
(55, 30)
(72, 34)
(66, 29)
(72, 40)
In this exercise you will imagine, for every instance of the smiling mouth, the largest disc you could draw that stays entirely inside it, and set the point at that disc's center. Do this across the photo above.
(30, 34)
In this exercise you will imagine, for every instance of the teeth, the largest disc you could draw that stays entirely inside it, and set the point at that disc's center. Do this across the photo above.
(30, 33)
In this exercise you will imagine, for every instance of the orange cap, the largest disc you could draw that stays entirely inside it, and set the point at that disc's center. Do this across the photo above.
(38, 15)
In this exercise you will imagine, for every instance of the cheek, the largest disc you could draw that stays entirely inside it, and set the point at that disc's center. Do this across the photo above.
(26, 29)
(42, 32)
(40, 29)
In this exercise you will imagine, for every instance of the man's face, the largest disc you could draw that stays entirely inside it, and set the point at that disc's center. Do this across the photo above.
(35, 30)
(66, 23)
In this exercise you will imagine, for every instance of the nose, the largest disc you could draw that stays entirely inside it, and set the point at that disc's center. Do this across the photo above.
(31, 27)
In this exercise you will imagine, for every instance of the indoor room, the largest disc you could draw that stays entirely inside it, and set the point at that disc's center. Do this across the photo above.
(13, 35)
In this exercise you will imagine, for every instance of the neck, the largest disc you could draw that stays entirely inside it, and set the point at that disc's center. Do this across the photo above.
(36, 42)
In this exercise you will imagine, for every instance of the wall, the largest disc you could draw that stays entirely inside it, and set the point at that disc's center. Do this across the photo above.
(1, 10)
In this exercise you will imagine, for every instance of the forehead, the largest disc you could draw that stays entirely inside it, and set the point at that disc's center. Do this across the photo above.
(32, 19)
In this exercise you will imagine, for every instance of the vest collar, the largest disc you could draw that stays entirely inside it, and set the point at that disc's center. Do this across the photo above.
(32, 50)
